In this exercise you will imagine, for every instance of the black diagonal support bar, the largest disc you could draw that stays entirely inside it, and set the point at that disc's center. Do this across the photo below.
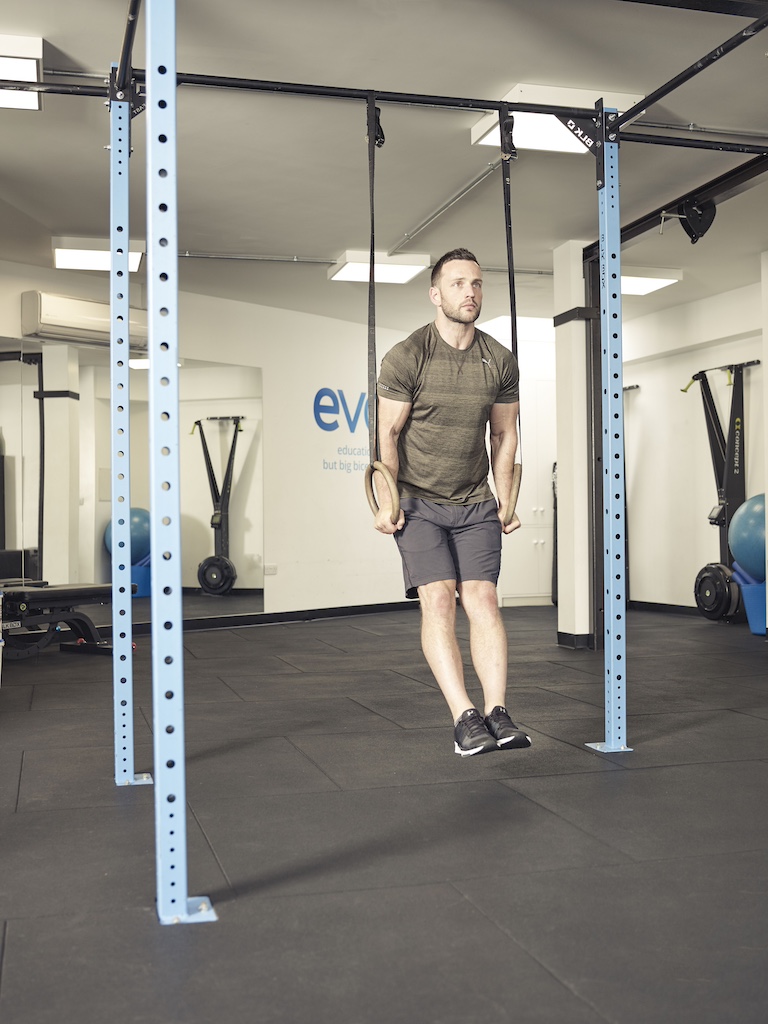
(694, 143)
(695, 69)
(124, 68)
(726, 186)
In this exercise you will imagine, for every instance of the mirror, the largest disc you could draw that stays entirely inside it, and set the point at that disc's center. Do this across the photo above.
(55, 440)
(20, 481)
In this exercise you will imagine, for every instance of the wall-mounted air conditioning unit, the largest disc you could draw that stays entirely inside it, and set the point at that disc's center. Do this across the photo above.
(60, 318)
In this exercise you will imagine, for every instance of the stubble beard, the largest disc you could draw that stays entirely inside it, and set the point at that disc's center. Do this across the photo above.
(461, 316)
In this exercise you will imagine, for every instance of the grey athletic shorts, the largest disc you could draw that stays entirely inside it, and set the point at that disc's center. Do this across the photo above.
(449, 542)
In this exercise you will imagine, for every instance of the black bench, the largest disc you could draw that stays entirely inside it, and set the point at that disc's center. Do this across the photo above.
(33, 613)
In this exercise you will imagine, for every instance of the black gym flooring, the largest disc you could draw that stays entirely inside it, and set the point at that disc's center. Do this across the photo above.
(361, 871)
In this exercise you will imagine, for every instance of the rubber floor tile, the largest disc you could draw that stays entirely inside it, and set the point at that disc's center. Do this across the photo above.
(206, 688)
(260, 686)
(395, 957)
(85, 778)
(61, 728)
(411, 758)
(228, 723)
(759, 711)
(680, 940)
(427, 710)
(102, 858)
(695, 666)
(342, 841)
(10, 776)
(53, 667)
(654, 697)
(258, 643)
(225, 770)
(16, 698)
(244, 658)
(681, 737)
(664, 812)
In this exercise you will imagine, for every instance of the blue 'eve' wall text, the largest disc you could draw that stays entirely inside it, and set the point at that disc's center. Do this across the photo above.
(330, 404)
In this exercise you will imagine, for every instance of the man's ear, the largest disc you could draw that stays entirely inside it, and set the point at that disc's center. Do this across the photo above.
(434, 296)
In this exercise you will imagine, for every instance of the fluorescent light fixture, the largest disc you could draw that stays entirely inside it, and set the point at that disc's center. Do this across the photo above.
(644, 280)
(21, 59)
(138, 364)
(545, 131)
(533, 131)
(91, 254)
(354, 265)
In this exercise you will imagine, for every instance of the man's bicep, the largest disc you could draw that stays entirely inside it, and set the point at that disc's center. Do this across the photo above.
(393, 416)
(504, 418)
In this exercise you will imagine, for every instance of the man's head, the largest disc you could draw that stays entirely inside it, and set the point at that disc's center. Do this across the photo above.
(449, 257)
(457, 286)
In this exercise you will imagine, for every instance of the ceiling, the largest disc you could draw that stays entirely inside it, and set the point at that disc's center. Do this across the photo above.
(269, 174)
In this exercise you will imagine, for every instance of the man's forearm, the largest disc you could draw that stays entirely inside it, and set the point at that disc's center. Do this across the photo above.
(389, 457)
(503, 453)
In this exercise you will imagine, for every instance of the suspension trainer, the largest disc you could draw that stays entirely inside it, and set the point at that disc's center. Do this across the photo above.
(375, 139)
(508, 154)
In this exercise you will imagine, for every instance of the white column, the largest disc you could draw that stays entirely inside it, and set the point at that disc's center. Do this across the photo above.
(573, 532)
(62, 465)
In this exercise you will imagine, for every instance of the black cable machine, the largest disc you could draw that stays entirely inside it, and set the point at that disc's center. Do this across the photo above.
(716, 591)
(217, 574)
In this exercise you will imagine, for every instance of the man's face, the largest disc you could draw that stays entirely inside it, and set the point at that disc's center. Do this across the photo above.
(459, 291)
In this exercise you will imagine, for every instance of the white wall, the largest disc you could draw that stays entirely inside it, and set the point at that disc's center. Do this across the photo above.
(526, 564)
(670, 479)
(318, 532)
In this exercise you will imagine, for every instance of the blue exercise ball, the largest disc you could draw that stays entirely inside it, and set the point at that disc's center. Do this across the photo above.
(746, 537)
(139, 526)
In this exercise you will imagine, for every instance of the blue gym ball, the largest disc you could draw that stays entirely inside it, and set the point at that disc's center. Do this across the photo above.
(139, 535)
(746, 537)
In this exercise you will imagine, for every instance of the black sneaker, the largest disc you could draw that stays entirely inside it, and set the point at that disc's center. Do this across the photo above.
(471, 735)
(504, 731)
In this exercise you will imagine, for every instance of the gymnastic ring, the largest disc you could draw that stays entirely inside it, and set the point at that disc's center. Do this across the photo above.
(395, 513)
(517, 475)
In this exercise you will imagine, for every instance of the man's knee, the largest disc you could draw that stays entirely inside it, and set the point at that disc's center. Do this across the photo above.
(479, 597)
(438, 600)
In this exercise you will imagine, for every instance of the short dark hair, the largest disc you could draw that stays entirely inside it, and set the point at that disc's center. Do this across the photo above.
(454, 254)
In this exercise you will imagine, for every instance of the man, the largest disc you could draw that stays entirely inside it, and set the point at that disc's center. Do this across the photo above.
(437, 392)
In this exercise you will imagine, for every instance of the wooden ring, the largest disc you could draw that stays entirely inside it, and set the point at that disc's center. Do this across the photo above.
(395, 513)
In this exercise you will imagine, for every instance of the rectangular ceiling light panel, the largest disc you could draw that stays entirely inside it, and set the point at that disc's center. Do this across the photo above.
(546, 132)
(92, 254)
(21, 59)
(354, 265)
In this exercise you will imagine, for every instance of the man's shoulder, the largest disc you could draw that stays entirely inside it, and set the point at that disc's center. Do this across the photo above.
(412, 346)
(496, 347)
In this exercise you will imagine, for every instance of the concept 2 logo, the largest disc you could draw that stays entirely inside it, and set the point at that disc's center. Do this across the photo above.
(330, 404)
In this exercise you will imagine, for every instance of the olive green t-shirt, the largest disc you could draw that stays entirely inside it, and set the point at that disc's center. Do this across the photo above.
(442, 448)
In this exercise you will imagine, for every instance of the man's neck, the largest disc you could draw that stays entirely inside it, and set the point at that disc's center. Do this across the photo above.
(456, 335)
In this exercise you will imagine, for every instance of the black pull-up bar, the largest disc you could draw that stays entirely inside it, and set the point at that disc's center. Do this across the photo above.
(694, 69)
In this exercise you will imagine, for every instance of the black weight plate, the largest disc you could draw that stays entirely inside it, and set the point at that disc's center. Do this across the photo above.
(216, 575)
(717, 595)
